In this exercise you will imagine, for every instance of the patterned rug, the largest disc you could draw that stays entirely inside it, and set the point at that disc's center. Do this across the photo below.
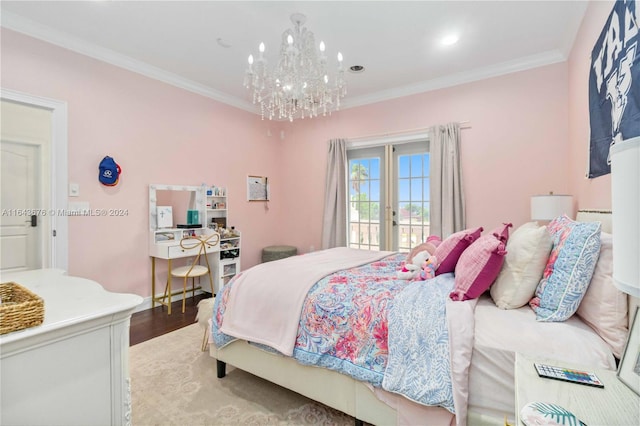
(174, 383)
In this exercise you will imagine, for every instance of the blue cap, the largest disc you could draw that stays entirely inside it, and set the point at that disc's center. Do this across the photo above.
(109, 171)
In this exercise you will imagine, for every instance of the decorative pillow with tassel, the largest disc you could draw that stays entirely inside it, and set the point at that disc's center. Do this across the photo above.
(480, 264)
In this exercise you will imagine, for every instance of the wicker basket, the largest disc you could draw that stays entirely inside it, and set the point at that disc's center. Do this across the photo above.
(19, 308)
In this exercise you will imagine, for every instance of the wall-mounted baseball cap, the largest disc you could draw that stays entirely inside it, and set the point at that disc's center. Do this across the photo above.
(109, 172)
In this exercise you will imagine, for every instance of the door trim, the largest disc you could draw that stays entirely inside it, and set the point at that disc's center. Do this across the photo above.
(58, 256)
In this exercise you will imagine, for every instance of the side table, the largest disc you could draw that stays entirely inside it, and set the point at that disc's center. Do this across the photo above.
(615, 404)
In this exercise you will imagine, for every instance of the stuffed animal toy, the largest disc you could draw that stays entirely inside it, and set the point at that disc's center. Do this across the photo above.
(428, 269)
(412, 269)
(428, 247)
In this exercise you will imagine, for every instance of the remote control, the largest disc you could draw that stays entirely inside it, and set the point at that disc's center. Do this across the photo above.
(568, 375)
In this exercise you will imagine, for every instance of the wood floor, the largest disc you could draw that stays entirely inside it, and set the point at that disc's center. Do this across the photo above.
(154, 322)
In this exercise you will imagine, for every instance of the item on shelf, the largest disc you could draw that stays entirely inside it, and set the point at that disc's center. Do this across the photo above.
(188, 226)
(192, 216)
(229, 254)
(227, 233)
(165, 216)
(215, 191)
(164, 236)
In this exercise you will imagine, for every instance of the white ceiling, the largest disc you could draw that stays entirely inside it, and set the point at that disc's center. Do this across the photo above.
(396, 41)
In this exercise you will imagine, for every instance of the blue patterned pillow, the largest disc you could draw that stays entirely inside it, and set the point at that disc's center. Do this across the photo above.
(576, 247)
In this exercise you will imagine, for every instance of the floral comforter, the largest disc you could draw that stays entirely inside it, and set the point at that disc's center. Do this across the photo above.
(366, 323)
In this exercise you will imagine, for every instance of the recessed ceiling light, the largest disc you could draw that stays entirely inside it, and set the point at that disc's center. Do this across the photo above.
(450, 39)
(356, 68)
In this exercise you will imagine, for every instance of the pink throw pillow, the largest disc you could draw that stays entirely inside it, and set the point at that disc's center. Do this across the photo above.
(480, 265)
(448, 252)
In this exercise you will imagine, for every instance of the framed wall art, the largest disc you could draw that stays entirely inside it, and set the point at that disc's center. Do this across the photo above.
(257, 188)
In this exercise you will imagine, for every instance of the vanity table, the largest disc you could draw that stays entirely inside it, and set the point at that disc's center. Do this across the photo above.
(164, 243)
(170, 249)
(73, 369)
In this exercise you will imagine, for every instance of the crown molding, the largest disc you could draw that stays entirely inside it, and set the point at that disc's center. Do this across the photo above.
(522, 64)
(25, 26)
(49, 35)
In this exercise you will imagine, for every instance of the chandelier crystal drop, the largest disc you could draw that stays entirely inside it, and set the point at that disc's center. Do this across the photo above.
(299, 85)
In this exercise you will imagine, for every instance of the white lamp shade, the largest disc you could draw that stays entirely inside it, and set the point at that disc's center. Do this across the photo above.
(625, 219)
(548, 207)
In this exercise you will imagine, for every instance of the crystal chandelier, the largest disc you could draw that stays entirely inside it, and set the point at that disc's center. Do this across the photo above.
(299, 85)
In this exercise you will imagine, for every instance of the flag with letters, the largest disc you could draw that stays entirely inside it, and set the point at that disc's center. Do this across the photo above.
(614, 86)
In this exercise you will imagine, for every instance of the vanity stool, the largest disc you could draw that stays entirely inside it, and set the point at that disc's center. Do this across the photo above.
(277, 252)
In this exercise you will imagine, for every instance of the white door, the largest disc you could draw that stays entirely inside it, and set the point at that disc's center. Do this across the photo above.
(24, 157)
(20, 239)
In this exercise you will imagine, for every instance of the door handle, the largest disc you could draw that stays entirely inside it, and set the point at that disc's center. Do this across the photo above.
(34, 220)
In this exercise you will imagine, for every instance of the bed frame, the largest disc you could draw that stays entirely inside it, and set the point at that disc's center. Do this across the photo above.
(339, 391)
(331, 388)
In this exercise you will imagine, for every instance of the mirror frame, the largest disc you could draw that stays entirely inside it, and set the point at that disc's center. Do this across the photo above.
(199, 192)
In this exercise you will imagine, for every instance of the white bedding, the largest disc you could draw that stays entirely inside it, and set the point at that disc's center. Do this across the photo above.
(499, 334)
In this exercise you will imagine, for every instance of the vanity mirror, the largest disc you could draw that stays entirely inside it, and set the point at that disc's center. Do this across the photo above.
(187, 206)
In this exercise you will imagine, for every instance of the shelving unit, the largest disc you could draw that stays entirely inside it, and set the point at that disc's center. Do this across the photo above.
(217, 210)
(216, 207)
(229, 258)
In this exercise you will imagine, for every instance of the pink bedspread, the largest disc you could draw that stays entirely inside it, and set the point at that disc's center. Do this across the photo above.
(277, 290)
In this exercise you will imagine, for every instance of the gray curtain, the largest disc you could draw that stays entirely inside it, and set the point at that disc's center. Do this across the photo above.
(334, 222)
(447, 209)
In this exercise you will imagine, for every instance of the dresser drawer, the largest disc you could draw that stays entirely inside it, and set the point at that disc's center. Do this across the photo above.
(177, 251)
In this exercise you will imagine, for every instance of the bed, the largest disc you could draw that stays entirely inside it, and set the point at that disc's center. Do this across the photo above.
(478, 339)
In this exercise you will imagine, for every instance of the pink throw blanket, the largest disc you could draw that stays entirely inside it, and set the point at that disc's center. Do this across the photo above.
(265, 301)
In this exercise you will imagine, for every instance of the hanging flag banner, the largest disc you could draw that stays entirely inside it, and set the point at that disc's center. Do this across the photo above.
(614, 86)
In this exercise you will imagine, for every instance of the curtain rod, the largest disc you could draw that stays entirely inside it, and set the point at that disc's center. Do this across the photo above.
(402, 132)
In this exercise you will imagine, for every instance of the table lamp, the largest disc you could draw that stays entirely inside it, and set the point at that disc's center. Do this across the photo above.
(548, 207)
(625, 221)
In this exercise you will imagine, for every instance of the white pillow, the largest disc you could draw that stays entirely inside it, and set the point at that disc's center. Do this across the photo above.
(604, 307)
(527, 254)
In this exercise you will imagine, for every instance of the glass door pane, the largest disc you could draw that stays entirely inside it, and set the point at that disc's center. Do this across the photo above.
(365, 199)
(411, 201)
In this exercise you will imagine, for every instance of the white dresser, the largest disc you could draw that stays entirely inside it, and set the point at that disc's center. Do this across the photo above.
(74, 368)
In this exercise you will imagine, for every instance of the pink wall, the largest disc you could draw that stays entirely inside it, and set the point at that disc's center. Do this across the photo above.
(528, 135)
(158, 134)
(591, 193)
(517, 145)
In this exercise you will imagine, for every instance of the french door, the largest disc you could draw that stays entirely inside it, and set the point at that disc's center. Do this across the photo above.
(388, 196)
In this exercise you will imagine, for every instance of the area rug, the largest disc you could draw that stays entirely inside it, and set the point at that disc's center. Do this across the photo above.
(174, 383)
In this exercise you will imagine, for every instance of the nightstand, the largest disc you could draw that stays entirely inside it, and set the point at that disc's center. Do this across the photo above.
(615, 404)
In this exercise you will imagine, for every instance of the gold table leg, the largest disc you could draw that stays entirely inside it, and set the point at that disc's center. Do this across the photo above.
(153, 282)
(169, 286)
